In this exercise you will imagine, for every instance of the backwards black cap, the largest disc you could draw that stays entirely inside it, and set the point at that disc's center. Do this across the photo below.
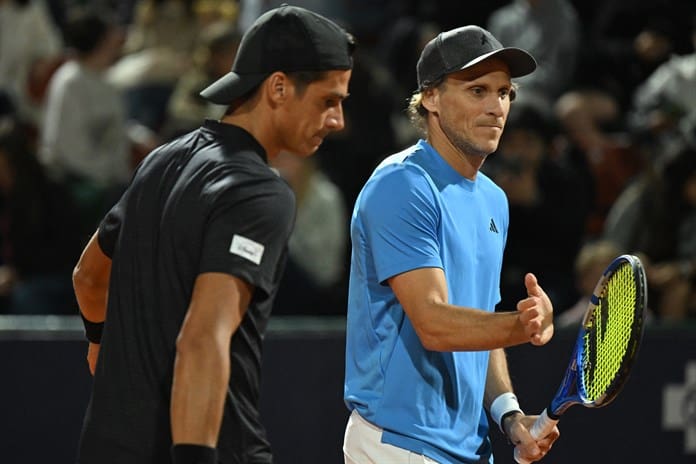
(463, 47)
(287, 39)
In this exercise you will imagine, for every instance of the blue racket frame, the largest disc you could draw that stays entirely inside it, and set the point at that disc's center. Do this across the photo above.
(572, 389)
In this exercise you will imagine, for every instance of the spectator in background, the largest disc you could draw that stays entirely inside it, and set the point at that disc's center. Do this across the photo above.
(30, 50)
(605, 159)
(550, 30)
(38, 244)
(589, 265)
(162, 23)
(318, 245)
(625, 42)
(592, 260)
(540, 190)
(656, 218)
(158, 50)
(399, 49)
(213, 11)
(663, 114)
(212, 59)
(84, 143)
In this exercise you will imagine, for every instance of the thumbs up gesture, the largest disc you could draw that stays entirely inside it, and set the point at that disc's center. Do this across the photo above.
(536, 312)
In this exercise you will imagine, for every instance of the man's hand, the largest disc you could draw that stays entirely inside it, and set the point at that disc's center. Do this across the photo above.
(536, 312)
(517, 427)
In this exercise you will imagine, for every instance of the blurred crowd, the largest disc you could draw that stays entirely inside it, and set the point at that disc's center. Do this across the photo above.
(598, 157)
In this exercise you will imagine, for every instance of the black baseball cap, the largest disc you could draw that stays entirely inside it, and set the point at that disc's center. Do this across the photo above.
(463, 47)
(288, 39)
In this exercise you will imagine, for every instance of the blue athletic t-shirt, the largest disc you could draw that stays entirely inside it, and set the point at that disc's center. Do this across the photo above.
(414, 212)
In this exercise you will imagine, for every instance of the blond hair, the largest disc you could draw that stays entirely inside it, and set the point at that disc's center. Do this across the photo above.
(417, 113)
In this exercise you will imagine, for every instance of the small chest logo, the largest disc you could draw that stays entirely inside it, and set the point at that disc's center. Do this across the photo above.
(247, 248)
(492, 227)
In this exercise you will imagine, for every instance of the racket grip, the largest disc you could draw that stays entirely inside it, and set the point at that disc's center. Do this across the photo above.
(541, 427)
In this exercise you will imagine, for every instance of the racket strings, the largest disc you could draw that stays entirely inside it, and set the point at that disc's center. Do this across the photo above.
(609, 333)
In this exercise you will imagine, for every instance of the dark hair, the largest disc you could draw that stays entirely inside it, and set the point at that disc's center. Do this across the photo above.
(84, 30)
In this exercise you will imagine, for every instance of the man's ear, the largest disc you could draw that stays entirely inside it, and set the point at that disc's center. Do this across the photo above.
(278, 87)
(431, 100)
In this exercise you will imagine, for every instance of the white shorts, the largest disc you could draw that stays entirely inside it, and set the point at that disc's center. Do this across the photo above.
(362, 444)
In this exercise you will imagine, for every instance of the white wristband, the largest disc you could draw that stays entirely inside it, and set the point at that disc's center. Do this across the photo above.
(503, 404)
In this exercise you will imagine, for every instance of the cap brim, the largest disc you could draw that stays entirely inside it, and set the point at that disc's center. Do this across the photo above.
(231, 86)
(519, 61)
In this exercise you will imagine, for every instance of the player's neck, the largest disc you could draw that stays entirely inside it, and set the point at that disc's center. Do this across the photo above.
(467, 165)
(253, 120)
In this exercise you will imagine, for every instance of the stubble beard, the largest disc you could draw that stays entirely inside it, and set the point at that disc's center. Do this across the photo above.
(463, 146)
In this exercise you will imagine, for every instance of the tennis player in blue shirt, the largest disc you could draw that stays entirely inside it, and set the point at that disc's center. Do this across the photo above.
(424, 353)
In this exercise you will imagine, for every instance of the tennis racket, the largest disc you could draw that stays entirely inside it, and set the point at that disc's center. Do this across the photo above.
(606, 345)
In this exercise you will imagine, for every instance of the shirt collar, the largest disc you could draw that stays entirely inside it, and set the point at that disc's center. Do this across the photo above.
(240, 138)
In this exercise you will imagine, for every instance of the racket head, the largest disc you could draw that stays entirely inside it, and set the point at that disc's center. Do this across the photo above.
(608, 339)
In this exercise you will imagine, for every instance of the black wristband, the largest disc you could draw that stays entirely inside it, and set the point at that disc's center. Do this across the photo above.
(193, 454)
(93, 330)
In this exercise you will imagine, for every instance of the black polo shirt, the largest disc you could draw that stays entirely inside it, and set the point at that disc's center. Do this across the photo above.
(206, 202)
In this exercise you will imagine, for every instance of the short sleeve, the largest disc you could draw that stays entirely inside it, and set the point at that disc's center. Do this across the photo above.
(401, 218)
(247, 232)
(110, 227)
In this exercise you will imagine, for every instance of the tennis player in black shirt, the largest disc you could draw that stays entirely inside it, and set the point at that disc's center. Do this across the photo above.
(176, 286)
